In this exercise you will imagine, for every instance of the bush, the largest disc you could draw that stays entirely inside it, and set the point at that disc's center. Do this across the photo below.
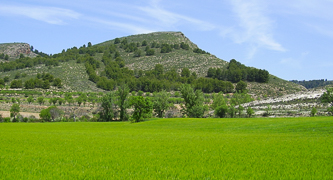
(6, 119)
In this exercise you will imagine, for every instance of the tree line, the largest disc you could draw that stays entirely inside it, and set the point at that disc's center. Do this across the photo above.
(236, 72)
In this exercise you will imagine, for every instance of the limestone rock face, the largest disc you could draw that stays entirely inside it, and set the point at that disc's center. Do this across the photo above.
(15, 49)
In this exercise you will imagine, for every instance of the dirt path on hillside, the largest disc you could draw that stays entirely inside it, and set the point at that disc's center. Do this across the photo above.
(24, 114)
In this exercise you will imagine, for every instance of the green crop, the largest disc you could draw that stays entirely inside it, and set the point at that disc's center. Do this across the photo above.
(281, 148)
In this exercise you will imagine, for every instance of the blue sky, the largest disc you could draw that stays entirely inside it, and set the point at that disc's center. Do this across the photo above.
(291, 39)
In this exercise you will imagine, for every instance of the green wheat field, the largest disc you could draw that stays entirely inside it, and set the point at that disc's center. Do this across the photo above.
(257, 148)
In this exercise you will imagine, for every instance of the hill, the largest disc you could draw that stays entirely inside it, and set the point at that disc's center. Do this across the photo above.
(178, 59)
(180, 53)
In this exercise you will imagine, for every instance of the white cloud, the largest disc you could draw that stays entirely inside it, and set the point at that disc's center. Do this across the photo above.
(169, 19)
(254, 27)
(123, 26)
(51, 15)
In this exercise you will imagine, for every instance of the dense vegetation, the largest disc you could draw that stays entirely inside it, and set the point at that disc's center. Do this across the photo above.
(236, 72)
(313, 83)
(283, 148)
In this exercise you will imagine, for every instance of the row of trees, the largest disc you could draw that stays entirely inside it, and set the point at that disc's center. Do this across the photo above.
(313, 83)
(236, 72)
(117, 102)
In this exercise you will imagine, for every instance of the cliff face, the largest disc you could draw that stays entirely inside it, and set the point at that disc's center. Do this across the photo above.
(15, 49)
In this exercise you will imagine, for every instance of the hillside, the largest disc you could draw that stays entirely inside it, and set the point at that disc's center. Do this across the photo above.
(75, 78)
(177, 59)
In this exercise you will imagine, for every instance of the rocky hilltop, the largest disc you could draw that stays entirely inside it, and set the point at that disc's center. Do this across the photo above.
(15, 49)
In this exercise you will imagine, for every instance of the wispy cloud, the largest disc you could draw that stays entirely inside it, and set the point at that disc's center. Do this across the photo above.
(129, 27)
(254, 27)
(51, 15)
(169, 19)
(295, 62)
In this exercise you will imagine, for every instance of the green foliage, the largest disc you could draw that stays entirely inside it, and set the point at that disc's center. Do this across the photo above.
(40, 100)
(249, 112)
(327, 97)
(16, 84)
(46, 84)
(161, 103)
(241, 87)
(313, 111)
(150, 52)
(236, 72)
(15, 110)
(232, 111)
(143, 108)
(221, 111)
(200, 51)
(122, 102)
(193, 102)
(50, 113)
(30, 99)
(313, 83)
(57, 82)
(218, 100)
(185, 72)
(108, 107)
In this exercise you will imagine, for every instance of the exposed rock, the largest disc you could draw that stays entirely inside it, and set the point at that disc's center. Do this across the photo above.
(15, 49)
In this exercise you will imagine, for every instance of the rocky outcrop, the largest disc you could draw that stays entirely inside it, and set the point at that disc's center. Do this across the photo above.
(15, 49)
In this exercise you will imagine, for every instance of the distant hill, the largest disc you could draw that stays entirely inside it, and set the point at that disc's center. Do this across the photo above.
(313, 83)
(75, 78)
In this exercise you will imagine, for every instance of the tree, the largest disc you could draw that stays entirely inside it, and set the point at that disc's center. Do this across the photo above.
(150, 52)
(57, 82)
(249, 111)
(6, 79)
(54, 100)
(240, 110)
(268, 109)
(61, 101)
(2, 82)
(46, 84)
(143, 108)
(137, 53)
(241, 87)
(232, 111)
(123, 104)
(40, 100)
(144, 43)
(221, 111)
(185, 72)
(45, 115)
(108, 106)
(193, 101)
(15, 110)
(218, 100)
(79, 100)
(161, 103)
(16, 84)
(313, 111)
(55, 112)
(6, 57)
(30, 99)
(117, 40)
(327, 97)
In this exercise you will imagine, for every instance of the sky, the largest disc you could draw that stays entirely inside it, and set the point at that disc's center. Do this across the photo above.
(292, 39)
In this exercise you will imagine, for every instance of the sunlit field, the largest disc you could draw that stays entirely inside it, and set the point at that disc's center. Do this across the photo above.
(280, 148)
